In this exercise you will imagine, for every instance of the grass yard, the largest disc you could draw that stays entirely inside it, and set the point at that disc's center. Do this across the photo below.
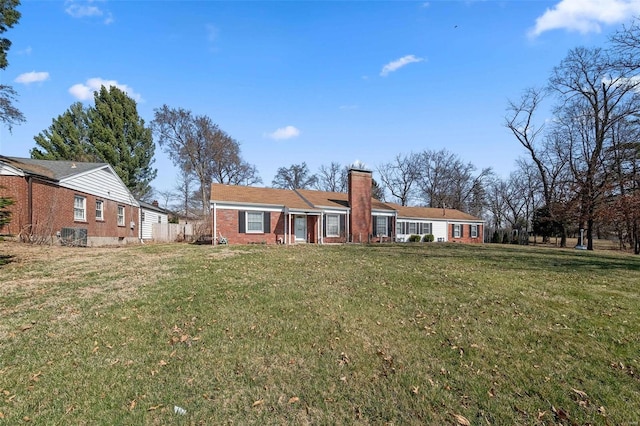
(385, 334)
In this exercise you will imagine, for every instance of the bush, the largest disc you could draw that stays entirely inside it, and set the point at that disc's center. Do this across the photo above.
(429, 238)
(414, 238)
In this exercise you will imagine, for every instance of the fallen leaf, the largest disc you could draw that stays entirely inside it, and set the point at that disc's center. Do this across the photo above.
(162, 362)
(293, 399)
(602, 411)
(1, 415)
(579, 392)
(415, 390)
(132, 405)
(155, 407)
(462, 420)
(95, 350)
(258, 403)
(26, 327)
(541, 414)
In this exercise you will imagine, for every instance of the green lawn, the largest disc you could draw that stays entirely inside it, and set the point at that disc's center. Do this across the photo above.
(354, 334)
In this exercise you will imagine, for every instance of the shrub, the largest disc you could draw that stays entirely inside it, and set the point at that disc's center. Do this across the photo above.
(429, 238)
(414, 238)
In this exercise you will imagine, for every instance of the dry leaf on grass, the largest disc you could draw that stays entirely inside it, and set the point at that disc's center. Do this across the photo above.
(258, 403)
(293, 399)
(155, 407)
(579, 392)
(132, 405)
(462, 420)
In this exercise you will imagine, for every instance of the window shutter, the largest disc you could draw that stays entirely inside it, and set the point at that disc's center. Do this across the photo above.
(267, 222)
(241, 222)
(324, 225)
(375, 225)
(461, 231)
(453, 231)
(343, 226)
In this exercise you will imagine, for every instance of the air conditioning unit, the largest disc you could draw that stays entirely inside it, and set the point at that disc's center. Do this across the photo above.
(75, 237)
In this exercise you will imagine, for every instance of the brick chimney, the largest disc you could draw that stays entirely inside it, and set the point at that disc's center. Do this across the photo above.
(155, 203)
(360, 203)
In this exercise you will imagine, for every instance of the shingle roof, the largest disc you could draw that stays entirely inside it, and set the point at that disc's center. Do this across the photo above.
(51, 169)
(254, 195)
(431, 213)
(303, 199)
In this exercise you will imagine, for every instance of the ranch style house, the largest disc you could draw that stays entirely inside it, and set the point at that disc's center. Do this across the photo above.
(68, 202)
(244, 215)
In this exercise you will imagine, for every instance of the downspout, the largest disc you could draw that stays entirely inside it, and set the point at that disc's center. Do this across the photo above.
(215, 225)
(30, 201)
(321, 229)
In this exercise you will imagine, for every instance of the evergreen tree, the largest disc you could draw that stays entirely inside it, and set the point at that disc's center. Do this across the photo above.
(120, 138)
(110, 132)
(9, 16)
(67, 138)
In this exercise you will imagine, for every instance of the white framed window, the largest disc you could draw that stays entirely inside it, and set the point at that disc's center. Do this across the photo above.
(381, 226)
(413, 227)
(426, 228)
(79, 208)
(99, 210)
(333, 225)
(474, 231)
(255, 222)
(159, 219)
(120, 215)
(457, 231)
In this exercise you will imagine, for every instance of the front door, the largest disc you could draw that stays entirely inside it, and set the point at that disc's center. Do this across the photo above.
(301, 228)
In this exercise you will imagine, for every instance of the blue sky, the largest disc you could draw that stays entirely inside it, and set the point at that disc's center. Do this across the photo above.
(312, 81)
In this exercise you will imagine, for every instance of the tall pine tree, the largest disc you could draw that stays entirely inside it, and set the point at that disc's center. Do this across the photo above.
(111, 131)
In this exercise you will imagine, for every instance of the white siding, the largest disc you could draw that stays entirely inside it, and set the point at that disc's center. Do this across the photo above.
(146, 225)
(440, 231)
(7, 170)
(103, 183)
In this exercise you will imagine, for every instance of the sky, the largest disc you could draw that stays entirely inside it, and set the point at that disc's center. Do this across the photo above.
(305, 81)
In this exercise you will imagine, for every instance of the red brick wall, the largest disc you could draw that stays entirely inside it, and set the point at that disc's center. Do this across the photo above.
(53, 210)
(466, 234)
(227, 225)
(360, 202)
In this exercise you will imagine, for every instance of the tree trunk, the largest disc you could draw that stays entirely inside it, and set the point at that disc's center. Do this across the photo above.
(589, 234)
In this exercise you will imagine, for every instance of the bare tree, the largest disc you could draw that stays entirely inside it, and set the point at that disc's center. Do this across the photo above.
(200, 148)
(294, 177)
(400, 177)
(446, 181)
(593, 97)
(332, 178)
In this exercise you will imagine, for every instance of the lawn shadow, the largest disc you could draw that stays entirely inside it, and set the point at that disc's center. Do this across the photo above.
(520, 257)
(6, 259)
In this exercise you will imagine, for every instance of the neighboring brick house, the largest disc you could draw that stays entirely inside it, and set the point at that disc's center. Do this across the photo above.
(70, 202)
(246, 215)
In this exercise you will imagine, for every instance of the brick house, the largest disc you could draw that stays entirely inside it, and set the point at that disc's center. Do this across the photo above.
(68, 202)
(246, 215)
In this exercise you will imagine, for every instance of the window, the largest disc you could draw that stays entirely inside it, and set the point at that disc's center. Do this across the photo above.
(412, 227)
(474, 231)
(159, 219)
(255, 222)
(80, 208)
(99, 210)
(120, 215)
(380, 225)
(426, 228)
(141, 216)
(456, 231)
(333, 225)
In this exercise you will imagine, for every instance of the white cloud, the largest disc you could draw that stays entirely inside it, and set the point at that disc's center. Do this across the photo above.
(287, 132)
(32, 77)
(87, 9)
(585, 16)
(84, 92)
(399, 63)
